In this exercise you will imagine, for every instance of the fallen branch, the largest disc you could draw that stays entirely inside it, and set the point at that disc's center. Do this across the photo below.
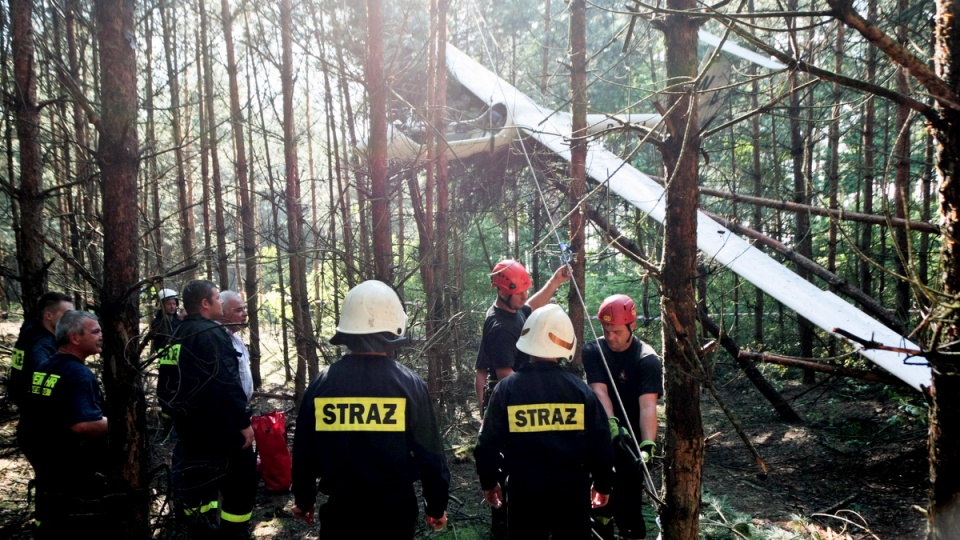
(871, 376)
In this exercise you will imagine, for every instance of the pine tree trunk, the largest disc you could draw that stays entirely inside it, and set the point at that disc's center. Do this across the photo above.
(184, 191)
(251, 282)
(578, 163)
(377, 90)
(33, 271)
(307, 362)
(865, 241)
(684, 442)
(117, 153)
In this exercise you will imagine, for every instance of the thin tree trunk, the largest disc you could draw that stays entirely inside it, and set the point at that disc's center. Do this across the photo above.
(757, 173)
(869, 122)
(901, 196)
(219, 224)
(802, 233)
(578, 162)
(307, 363)
(247, 224)
(184, 192)
(33, 271)
(377, 90)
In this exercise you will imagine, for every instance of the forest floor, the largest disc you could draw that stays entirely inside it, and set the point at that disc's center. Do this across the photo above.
(855, 468)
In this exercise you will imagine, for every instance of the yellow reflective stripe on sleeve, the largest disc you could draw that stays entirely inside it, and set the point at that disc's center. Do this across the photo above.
(169, 355)
(212, 505)
(235, 518)
(360, 414)
(16, 359)
(545, 417)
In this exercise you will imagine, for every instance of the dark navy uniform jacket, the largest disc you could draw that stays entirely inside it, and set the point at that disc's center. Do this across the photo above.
(636, 371)
(551, 430)
(366, 425)
(63, 392)
(199, 384)
(34, 346)
(498, 343)
(164, 327)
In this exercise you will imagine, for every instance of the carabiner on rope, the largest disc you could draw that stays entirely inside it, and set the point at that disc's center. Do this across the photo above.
(566, 254)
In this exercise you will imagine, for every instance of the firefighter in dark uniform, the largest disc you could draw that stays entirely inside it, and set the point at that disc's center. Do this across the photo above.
(166, 321)
(35, 344)
(63, 433)
(546, 430)
(498, 356)
(638, 377)
(367, 430)
(199, 387)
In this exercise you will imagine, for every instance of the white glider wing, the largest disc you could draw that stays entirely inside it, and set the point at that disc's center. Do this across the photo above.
(822, 308)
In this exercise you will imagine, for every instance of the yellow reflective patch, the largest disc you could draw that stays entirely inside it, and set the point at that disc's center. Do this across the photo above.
(41, 386)
(545, 417)
(360, 414)
(16, 360)
(169, 355)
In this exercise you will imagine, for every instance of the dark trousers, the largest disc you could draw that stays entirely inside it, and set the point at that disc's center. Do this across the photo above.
(372, 513)
(65, 510)
(560, 514)
(626, 501)
(203, 474)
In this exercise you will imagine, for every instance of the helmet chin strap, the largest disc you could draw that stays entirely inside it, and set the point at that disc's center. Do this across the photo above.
(505, 300)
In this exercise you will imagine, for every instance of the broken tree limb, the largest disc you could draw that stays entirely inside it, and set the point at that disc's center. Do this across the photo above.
(784, 410)
(674, 330)
(871, 376)
(919, 226)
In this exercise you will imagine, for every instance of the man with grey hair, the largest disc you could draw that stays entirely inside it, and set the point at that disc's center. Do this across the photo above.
(63, 432)
(234, 319)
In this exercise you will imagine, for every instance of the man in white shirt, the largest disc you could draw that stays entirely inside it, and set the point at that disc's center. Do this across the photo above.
(234, 320)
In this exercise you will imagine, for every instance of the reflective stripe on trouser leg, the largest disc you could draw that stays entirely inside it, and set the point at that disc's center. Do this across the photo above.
(239, 487)
(202, 509)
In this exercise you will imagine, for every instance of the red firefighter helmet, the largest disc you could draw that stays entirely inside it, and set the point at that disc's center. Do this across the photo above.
(510, 277)
(617, 309)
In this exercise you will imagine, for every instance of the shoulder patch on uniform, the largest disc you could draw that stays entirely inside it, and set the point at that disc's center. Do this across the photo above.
(16, 359)
(360, 413)
(545, 417)
(169, 355)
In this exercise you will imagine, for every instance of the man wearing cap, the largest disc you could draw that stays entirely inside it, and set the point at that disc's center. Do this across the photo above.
(367, 429)
(638, 381)
(548, 433)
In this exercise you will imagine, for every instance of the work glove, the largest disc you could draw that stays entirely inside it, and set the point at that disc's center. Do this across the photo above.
(617, 432)
(647, 449)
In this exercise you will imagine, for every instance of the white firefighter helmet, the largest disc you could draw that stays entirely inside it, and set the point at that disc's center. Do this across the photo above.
(548, 333)
(167, 293)
(370, 308)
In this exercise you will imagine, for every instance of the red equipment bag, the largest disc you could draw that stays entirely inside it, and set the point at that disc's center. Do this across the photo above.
(270, 431)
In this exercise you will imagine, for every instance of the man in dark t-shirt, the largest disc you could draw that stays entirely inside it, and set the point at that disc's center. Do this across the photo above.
(498, 356)
(35, 344)
(638, 381)
(63, 433)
